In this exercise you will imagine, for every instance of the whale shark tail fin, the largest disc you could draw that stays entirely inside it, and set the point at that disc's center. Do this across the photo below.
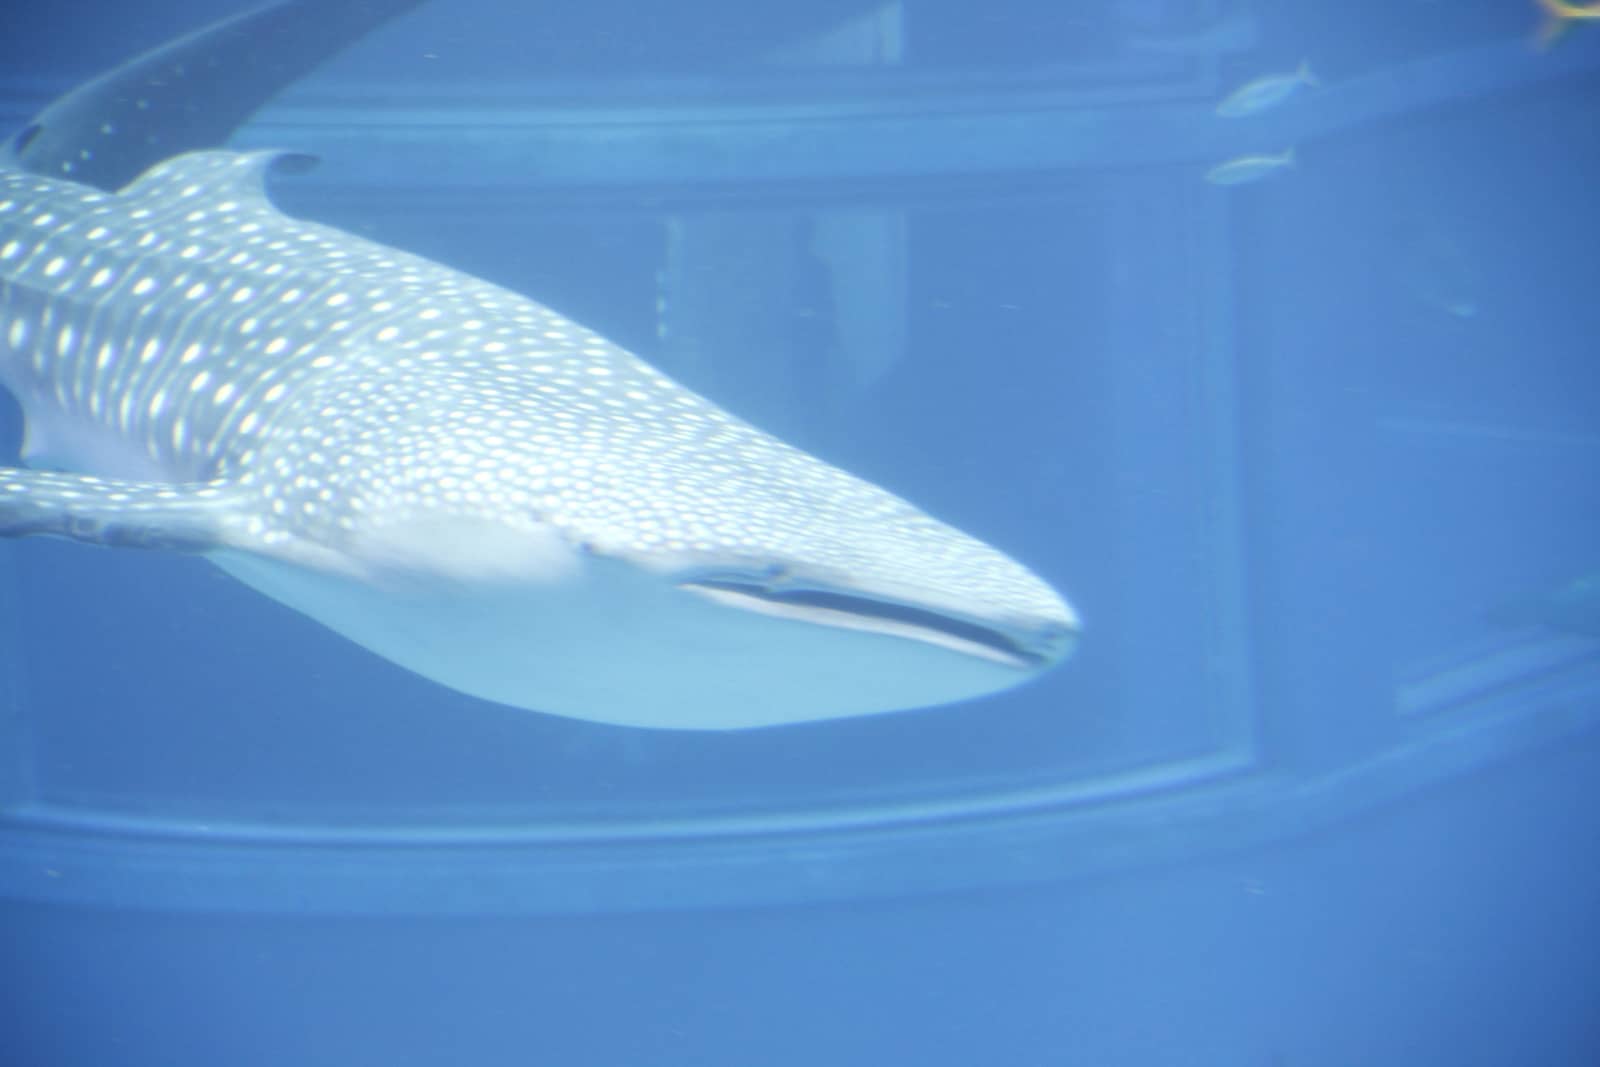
(190, 93)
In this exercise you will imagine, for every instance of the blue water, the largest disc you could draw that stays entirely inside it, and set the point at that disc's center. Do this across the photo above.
(1313, 456)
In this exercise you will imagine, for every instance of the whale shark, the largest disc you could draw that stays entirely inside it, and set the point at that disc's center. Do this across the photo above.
(452, 475)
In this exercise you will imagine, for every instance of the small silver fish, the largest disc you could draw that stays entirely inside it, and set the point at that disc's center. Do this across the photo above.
(1247, 169)
(1262, 94)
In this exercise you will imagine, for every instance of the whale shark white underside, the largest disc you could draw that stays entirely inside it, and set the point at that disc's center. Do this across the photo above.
(455, 476)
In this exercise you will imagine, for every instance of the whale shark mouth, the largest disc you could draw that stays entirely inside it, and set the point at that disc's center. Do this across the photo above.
(854, 611)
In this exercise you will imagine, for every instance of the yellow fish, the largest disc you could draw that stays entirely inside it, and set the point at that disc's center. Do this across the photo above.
(1558, 15)
(1250, 168)
(1257, 96)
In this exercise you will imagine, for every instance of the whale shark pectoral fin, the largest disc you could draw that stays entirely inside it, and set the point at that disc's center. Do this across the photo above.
(177, 517)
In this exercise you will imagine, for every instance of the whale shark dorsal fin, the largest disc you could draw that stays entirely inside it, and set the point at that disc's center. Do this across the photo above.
(238, 176)
(190, 93)
(102, 511)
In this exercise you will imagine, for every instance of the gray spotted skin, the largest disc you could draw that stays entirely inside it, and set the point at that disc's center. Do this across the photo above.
(190, 93)
(120, 514)
(266, 388)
